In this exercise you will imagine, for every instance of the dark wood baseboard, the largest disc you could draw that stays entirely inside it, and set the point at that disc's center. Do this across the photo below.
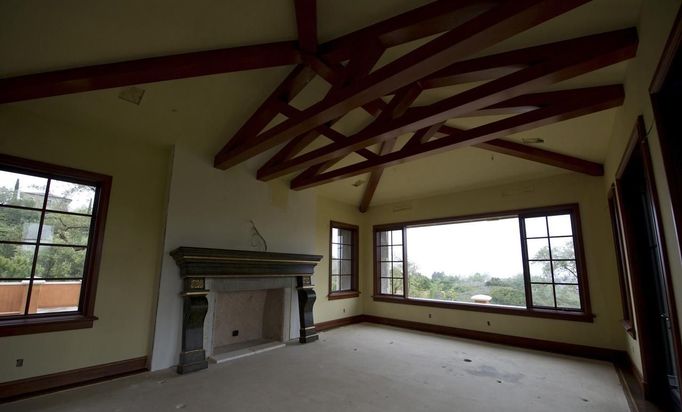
(591, 352)
(10, 391)
(634, 387)
(583, 351)
(336, 323)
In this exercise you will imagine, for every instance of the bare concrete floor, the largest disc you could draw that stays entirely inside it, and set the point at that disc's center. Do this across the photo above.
(363, 368)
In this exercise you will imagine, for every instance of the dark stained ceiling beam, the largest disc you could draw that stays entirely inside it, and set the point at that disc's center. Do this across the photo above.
(535, 154)
(364, 58)
(396, 107)
(269, 109)
(375, 175)
(436, 17)
(326, 131)
(484, 30)
(543, 156)
(606, 49)
(580, 102)
(149, 70)
(306, 21)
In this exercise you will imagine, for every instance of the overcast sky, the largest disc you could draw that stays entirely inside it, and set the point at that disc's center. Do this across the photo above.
(37, 184)
(489, 246)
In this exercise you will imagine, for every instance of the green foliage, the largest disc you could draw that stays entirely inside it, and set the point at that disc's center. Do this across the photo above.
(507, 291)
(21, 226)
(565, 271)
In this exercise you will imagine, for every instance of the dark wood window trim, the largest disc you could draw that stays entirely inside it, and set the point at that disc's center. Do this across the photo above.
(584, 315)
(665, 91)
(353, 292)
(638, 146)
(84, 316)
(623, 278)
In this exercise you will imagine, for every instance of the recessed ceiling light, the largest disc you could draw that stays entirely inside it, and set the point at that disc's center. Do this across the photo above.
(532, 140)
(132, 95)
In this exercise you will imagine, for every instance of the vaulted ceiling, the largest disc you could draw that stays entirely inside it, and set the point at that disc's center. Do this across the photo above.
(369, 103)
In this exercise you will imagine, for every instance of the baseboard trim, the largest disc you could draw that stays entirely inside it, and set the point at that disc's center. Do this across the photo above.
(10, 391)
(634, 387)
(337, 323)
(590, 352)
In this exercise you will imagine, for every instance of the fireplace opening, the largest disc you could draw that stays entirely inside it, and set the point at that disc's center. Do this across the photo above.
(248, 322)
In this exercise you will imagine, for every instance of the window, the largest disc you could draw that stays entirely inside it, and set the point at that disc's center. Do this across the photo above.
(51, 228)
(527, 262)
(343, 261)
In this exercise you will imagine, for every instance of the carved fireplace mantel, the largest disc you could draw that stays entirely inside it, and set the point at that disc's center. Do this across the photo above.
(197, 264)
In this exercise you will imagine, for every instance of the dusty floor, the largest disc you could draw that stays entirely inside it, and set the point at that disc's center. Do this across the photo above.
(363, 368)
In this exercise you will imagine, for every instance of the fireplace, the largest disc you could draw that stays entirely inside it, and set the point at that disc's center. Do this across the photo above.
(245, 295)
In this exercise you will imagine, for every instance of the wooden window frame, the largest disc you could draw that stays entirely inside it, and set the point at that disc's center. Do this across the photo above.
(84, 316)
(623, 278)
(354, 290)
(583, 315)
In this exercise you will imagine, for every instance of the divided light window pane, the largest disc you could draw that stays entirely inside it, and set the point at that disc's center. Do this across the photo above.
(70, 197)
(552, 262)
(342, 260)
(22, 190)
(459, 261)
(57, 226)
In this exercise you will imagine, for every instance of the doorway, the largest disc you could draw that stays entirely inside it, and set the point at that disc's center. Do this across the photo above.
(648, 268)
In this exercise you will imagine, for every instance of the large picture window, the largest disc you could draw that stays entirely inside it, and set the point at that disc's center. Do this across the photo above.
(527, 262)
(51, 226)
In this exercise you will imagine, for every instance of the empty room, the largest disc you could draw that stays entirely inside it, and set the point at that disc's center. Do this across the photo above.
(390, 205)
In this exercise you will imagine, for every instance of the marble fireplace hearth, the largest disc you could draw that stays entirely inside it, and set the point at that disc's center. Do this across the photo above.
(237, 303)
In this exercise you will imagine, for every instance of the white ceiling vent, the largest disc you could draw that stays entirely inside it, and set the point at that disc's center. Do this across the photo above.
(132, 95)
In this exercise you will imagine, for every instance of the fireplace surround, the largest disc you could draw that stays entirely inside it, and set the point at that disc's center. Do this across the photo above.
(197, 265)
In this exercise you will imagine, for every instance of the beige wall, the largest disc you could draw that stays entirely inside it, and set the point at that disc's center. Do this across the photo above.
(561, 189)
(325, 309)
(132, 244)
(655, 23)
(213, 208)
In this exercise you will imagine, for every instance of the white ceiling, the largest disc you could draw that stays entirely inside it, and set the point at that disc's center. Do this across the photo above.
(37, 36)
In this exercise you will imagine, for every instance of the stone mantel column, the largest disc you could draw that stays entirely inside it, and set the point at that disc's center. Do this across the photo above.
(196, 264)
(194, 308)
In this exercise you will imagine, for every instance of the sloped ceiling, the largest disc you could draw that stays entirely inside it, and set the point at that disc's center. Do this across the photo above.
(38, 36)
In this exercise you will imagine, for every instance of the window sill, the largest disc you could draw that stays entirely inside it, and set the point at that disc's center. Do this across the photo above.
(346, 294)
(53, 323)
(537, 313)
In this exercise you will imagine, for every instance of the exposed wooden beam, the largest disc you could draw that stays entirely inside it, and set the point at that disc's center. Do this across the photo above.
(534, 154)
(149, 70)
(396, 107)
(268, 110)
(422, 136)
(325, 130)
(543, 156)
(370, 189)
(486, 29)
(306, 21)
(580, 102)
(433, 18)
(606, 49)
(362, 62)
